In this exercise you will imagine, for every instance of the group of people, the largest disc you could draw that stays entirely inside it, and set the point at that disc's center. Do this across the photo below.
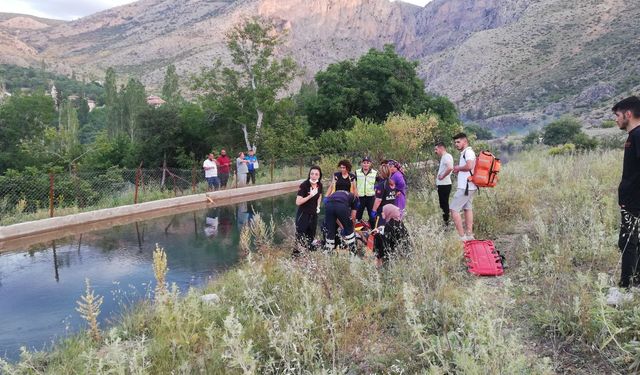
(217, 170)
(381, 193)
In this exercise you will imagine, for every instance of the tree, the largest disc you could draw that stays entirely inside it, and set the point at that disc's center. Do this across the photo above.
(567, 130)
(22, 118)
(247, 93)
(111, 101)
(68, 127)
(561, 131)
(171, 86)
(480, 132)
(161, 130)
(377, 84)
(133, 101)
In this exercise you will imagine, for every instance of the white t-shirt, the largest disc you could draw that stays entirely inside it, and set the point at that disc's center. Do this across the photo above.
(446, 162)
(466, 155)
(213, 172)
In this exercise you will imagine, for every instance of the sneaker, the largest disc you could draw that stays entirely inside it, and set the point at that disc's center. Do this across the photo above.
(616, 297)
(470, 237)
(466, 238)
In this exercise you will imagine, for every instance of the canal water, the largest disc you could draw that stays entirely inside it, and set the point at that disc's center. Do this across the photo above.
(39, 286)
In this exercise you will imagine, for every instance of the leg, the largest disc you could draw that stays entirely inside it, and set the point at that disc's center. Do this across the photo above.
(330, 224)
(457, 204)
(457, 221)
(344, 217)
(468, 221)
(628, 244)
(369, 205)
(302, 226)
(443, 198)
(361, 208)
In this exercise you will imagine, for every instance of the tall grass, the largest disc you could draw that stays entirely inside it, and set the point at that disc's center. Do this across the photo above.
(554, 217)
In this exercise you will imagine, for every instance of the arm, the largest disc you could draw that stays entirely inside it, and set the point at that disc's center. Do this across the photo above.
(446, 171)
(376, 204)
(468, 167)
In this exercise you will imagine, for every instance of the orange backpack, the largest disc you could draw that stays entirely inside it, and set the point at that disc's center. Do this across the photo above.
(485, 173)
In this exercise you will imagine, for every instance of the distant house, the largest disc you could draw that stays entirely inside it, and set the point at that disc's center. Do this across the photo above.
(155, 101)
(73, 98)
(91, 104)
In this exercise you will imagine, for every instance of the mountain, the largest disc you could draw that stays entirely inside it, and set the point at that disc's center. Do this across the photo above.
(508, 64)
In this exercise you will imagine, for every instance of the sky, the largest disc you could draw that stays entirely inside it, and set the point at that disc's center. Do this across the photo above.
(72, 9)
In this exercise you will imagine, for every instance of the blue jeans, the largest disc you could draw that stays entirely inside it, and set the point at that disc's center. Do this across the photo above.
(214, 183)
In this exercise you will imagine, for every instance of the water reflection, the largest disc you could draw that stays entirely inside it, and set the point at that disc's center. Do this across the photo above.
(40, 285)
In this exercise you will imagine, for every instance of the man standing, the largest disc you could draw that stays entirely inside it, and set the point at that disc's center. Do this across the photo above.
(463, 198)
(443, 179)
(365, 187)
(211, 173)
(627, 113)
(224, 162)
(252, 166)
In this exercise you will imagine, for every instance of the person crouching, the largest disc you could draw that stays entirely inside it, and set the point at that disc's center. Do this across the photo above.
(392, 239)
(340, 206)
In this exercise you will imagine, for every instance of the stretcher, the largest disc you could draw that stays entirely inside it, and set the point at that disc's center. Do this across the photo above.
(482, 258)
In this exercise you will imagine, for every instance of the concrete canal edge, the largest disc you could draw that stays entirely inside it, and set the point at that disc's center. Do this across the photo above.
(32, 232)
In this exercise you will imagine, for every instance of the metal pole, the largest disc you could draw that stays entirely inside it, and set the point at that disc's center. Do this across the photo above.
(193, 179)
(271, 165)
(51, 179)
(135, 195)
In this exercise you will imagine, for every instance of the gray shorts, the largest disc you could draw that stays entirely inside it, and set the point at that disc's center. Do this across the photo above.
(461, 201)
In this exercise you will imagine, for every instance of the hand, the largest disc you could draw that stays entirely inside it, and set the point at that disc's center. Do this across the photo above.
(313, 192)
(325, 200)
(318, 210)
(456, 169)
(373, 214)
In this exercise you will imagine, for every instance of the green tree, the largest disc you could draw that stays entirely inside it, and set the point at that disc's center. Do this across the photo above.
(112, 103)
(247, 93)
(133, 101)
(171, 86)
(68, 127)
(480, 132)
(561, 131)
(377, 84)
(161, 130)
(22, 118)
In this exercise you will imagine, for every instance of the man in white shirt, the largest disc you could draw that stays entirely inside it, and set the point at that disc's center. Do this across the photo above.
(211, 173)
(443, 179)
(463, 198)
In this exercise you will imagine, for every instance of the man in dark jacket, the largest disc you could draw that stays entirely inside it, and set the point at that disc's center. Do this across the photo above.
(627, 113)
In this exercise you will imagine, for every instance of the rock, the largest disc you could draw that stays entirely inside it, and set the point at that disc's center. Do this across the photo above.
(211, 299)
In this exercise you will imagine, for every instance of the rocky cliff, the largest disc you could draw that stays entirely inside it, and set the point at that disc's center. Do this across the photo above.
(506, 63)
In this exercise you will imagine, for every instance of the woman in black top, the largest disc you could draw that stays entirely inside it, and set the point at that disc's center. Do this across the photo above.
(344, 179)
(393, 238)
(308, 202)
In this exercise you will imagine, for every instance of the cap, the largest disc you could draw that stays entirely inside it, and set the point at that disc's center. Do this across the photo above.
(366, 158)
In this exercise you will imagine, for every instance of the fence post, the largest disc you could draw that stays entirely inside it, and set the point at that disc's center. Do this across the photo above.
(51, 179)
(301, 164)
(135, 195)
(175, 190)
(74, 177)
(271, 166)
(236, 177)
(193, 179)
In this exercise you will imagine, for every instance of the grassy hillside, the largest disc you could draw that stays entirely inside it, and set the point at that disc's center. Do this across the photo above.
(555, 218)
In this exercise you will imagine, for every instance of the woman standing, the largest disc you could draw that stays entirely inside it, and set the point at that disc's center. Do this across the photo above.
(241, 170)
(386, 193)
(343, 179)
(401, 186)
(308, 202)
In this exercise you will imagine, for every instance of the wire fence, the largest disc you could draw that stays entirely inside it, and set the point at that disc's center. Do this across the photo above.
(33, 195)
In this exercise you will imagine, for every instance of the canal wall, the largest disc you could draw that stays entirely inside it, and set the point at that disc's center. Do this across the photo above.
(25, 234)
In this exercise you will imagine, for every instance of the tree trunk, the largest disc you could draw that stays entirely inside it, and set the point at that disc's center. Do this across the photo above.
(164, 170)
(258, 127)
(246, 136)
